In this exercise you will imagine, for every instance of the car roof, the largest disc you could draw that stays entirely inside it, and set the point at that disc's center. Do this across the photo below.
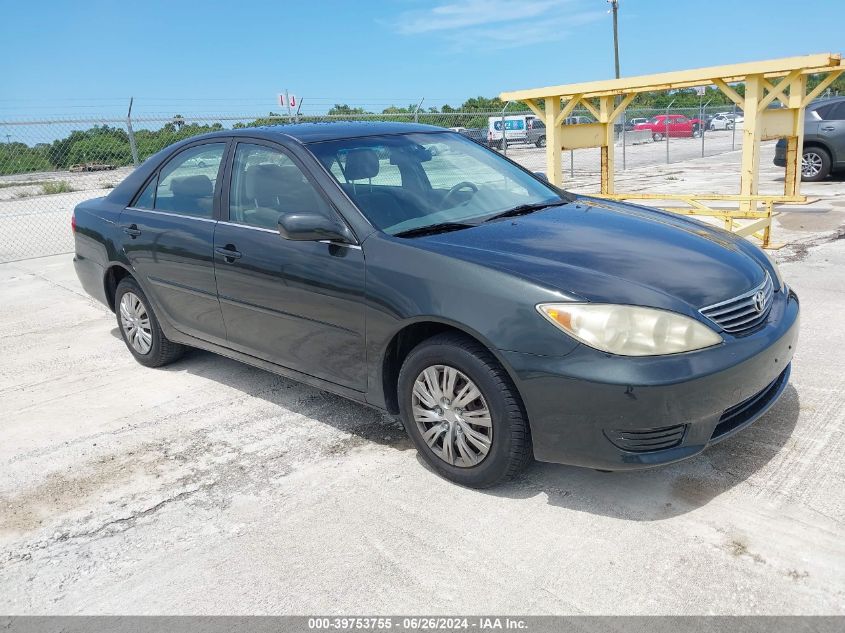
(328, 131)
(821, 102)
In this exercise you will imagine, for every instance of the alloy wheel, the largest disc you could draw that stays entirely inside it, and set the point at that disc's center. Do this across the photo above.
(136, 323)
(811, 164)
(452, 416)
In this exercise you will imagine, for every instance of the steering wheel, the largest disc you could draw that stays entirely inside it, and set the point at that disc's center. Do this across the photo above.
(461, 185)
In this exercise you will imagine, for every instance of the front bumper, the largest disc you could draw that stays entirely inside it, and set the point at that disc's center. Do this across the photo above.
(603, 411)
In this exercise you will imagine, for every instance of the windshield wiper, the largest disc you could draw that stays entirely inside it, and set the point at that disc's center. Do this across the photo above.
(431, 229)
(525, 209)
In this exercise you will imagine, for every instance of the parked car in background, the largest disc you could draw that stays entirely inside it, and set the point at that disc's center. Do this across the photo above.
(519, 128)
(630, 124)
(477, 134)
(578, 120)
(672, 125)
(502, 318)
(824, 140)
(721, 121)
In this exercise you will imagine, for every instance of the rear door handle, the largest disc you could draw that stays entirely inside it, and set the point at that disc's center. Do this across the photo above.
(228, 253)
(132, 230)
(829, 128)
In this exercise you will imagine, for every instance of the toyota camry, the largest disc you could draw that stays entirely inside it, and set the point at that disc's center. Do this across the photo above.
(412, 269)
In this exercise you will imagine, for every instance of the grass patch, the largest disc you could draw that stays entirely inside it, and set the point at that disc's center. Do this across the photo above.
(57, 186)
(21, 183)
(108, 185)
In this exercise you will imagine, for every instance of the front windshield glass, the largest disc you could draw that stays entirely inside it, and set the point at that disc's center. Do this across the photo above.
(407, 181)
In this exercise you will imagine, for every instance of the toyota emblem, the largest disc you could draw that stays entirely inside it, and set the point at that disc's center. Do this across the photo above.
(759, 301)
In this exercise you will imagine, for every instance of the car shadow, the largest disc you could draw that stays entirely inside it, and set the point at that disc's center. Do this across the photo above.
(366, 423)
(645, 495)
(667, 491)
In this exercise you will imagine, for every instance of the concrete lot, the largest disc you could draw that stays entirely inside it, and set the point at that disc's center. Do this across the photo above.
(212, 487)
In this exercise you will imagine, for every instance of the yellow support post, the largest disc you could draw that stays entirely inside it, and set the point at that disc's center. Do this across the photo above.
(606, 110)
(795, 141)
(751, 133)
(554, 141)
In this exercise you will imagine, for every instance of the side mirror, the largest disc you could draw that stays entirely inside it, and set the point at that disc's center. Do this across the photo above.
(312, 227)
(542, 176)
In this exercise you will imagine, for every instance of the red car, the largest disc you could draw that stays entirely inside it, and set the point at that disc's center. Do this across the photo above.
(676, 125)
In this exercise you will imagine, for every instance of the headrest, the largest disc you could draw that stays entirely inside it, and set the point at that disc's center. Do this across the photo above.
(193, 186)
(360, 164)
(264, 181)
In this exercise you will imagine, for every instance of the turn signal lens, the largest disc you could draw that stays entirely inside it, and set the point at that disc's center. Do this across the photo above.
(629, 330)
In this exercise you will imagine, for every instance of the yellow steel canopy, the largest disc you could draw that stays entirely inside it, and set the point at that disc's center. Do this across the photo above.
(606, 100)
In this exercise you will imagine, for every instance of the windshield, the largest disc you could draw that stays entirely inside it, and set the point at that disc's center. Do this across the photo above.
(403, 182)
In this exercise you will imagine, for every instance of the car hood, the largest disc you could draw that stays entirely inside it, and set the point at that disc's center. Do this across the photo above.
(605, 251)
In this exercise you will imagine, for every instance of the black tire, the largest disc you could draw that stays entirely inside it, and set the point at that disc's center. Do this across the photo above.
(162, 351)
(510, 449)
(821, 158)
(541, 142)
(657, 137)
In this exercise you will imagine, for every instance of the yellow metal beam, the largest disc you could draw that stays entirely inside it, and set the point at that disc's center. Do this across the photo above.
(535, 109)
(626, 101)
(554, 142)
(777, 91)
(730, 93)
(751, 132)
(824, 84)
(589, 107)
(567, 109)
(795, 140)
(607, 147)
(684, 78)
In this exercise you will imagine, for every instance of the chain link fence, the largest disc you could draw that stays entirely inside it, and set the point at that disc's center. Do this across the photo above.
(47, 167)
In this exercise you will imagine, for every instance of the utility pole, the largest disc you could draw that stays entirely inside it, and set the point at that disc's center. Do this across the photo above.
(614, 4)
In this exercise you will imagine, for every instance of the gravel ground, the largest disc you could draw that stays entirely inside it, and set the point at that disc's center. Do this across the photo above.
(215, 488)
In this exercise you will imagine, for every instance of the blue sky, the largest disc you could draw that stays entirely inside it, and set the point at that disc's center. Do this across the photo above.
(89, 56)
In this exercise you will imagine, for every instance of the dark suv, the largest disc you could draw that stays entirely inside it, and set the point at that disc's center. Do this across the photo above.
(824, 140)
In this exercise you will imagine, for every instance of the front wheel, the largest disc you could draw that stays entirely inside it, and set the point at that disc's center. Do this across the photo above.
(463, 412)
(140, 328)
(541, 142)
(657, 136)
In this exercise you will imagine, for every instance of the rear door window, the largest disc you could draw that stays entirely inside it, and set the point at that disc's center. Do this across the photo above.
(186, 184)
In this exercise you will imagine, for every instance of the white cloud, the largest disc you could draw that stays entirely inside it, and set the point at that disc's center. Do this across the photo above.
(496, 24)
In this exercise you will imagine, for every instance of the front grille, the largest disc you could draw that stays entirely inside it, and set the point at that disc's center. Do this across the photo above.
(739, 414)
(745, 312)
(644, 440)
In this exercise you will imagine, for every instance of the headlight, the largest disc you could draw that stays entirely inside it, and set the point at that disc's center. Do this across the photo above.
(629, 330)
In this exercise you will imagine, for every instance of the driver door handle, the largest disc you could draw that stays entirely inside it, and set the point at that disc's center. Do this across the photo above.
(132, 230)
(229, 253)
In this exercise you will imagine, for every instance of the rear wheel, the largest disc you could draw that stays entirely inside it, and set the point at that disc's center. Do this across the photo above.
(657, 136)
(463, 412)
(140, 328)
(815, 164)
(541, 142)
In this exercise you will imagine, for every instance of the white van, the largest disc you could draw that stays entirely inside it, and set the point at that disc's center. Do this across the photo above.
(519, 128)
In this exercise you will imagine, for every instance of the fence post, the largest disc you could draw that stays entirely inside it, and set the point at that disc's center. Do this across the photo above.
(666, 122)
(132, 146)
(417, 111)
